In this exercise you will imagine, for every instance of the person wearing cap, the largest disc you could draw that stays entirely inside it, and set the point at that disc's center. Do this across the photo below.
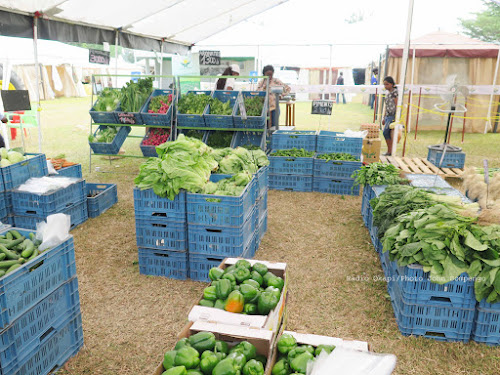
(228, 83)
(262, 86)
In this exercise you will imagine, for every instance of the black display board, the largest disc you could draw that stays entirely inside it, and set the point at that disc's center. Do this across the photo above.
(16, 100)
(322, 107)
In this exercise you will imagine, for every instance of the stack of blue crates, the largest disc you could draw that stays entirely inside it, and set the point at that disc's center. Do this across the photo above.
(40, 319)
(161, 233)
(334, 177)
(450, 159)
(220, 227)
(292, 173)
(30, 208)
(262, 178)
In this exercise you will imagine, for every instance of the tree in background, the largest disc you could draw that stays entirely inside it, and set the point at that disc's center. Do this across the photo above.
(486, 24)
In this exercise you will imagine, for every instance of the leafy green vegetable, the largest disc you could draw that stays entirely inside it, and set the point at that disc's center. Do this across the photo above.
(198, 134)
(341, 156)
(218, 139)
(193, 104)
(104, 135)
(254, 105)
(218, 107)
(233, 186)
(294, 152)
(251, 147)
(134, 94)
(238, 160)
(377, 174)
(108, 100)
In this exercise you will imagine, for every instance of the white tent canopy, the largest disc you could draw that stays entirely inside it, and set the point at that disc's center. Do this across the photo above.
(141, 25)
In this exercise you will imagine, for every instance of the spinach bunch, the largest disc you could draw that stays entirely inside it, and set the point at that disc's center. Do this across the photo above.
(254, 105)
(294, 152)
(134, 94)
(220, 139)
(341, 156)
(377, 174)
(193, 104)
(218, 107)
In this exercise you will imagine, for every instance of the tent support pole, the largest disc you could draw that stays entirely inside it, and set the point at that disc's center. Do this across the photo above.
(375, 107)
(330, 82)
(412, 82)
(37, 80)
(161, 63)
(488, 126)
(463, 127)
(381, 80)
(402, 79)
(116, 59)
(418, 111)
(407, 120)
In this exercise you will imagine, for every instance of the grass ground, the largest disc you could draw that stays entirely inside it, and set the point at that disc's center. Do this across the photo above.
(129, 320)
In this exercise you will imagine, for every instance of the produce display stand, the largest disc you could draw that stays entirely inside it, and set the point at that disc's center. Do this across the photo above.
(421, 166)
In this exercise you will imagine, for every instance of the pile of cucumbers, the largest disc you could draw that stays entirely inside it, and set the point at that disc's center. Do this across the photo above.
(16, 249)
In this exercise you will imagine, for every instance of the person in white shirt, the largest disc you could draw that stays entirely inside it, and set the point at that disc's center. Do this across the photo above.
(228, 83)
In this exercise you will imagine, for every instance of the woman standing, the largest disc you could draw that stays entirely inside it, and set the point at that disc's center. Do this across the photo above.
(269, 71)
(391, 103)
(228, 83)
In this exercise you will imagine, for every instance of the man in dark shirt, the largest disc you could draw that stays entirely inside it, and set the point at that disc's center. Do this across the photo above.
(340, 82)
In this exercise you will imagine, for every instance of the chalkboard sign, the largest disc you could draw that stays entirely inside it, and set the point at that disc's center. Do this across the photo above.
(98, 57)
(209, 57)
(16, 100)
(322, 107)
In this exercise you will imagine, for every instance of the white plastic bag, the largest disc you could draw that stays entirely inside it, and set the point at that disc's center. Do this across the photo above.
(52, 170)
(42, 185)
(356, 134)
(54, 231)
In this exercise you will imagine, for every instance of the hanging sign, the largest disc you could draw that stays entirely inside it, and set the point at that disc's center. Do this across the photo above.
(98, 57)
(322, 107)
(209, 57)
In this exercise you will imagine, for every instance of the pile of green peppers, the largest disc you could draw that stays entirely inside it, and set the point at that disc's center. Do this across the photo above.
(202, 354)
(243, 289)
(293, 358)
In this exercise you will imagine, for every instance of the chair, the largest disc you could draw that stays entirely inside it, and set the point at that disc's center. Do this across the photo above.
(23, 120)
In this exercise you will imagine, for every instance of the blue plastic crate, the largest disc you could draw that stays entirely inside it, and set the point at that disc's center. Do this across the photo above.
(252, 122)
(128, 118)
(103, 117)
(160, 119)
(192, 121)
(291, 165)
(53, 202)
(335, 168)
(365, 204)
(222, 241)
(222, 121)
(2, 186)
(439, 322)
(23, 288)
(77, 212)
(213, 132)
(427, 181)
(330, 142)
(262, 206)
(451, 159)
(112, 148)
(200, 264)
(288, 139)
(149, 205)
(339, 186)
(374, 236)
(203, 133)
(290, 182)
(52, 351)
(242, 139)
(158, 233)
(107, 196)
(377, 190)
(74, 171)
(4, 212)
(148, 151)
(26, 332)
(218, 210)
(17, 174)
(262, 178)
(262, 227)
(166, 263)
(487, 324)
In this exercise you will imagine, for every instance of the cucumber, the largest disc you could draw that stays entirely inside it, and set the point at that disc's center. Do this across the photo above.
(28, 252)
(2, 273)
(32, 236)
(9, 236)
(2, 256)
(34, 255)
(8, 263)
(15, 243)
(12, 268)
(16, 234)
(9, 254)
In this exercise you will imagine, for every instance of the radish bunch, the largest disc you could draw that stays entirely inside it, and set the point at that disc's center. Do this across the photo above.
(156, 136)
(160, 104)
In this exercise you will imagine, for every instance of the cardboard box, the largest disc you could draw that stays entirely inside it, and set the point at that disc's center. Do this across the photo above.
(262, 339)
(371, 150)
(270, 322)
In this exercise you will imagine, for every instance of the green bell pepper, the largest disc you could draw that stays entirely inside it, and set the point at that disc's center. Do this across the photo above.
(262, 359)
(257, 277)
(208, 362)
(286, 343)
(239, 359)
(223, 288)
(219, 304)
(251, 282)
(221, 347)
(181, 343)
(299, 350)
(281, 367)
(206, 303)
(169, 359)
(194, 372)
(250, 309)
(215, 273)
(226, 367)
(210, 293)
(248, 350)
(326, 348)
(299, 363)
(178, 370)
(231, 278)
(267, 302)
(253, 367)
(249, 292)
(277, 282)
(230, 269)
(241, 274)
(202, 341)
(221, 356)
(266, 277)
(260, 268)
(274, 290)
(187, 357)
(243, 263)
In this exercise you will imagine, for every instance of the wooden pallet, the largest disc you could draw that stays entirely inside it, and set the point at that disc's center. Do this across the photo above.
(421, 166)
